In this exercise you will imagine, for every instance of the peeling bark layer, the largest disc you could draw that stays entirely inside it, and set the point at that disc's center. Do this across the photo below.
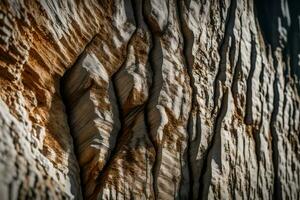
(150, 99)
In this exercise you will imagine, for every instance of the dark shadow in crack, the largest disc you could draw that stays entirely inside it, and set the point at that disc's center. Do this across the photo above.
(59, 139)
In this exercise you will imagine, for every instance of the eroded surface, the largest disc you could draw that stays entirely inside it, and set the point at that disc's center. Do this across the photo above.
(149, 99)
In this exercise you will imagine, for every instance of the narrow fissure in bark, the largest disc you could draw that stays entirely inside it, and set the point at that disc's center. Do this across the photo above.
(218, 110)
(114, 151)
(156, 61)
(156, 50)
(188, 41)
(67, 107)
(118, 143)
(249, 102)
(206, 175)
(223, 51)
(277, 193)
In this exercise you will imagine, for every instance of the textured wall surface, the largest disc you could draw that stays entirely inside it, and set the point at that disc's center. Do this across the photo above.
(150, 99)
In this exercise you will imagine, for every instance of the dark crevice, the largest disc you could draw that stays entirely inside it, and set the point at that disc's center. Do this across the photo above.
(223, 50)
(206, 174)
(139, 6)
(67, 107)
(197, 169)
(188, 41)
(235, 174)
(119, 141)
(249, 104)
(156, 81)
(257, 149)
(219, 113)
(114, 150)
(119, 137)
(277, 191)
(234, 90)
(248, 119)
(156, 61)
(237, 69)
(257, 127)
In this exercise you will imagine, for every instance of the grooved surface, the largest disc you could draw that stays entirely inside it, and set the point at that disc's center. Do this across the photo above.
(149, 99)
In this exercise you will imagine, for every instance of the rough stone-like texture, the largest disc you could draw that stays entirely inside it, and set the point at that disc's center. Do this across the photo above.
(150, 99)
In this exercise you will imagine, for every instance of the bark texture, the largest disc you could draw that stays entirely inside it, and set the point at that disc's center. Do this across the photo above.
(150, 99)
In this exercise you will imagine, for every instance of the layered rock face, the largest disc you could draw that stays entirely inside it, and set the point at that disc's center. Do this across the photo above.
(150, 99)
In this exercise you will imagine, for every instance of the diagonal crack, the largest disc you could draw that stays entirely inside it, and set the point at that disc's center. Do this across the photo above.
(67, 107)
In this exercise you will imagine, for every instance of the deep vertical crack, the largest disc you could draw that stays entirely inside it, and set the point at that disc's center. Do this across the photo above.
(249, 95)
(206, 175)
(118, 142)
(188, 41)
(156, 61)
(67, 107)
(277, 193)
(223, 50)
(156, 71)
(248, 119)
(219, 110)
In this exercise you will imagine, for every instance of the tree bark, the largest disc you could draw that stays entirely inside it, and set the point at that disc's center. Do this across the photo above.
(150, 99)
